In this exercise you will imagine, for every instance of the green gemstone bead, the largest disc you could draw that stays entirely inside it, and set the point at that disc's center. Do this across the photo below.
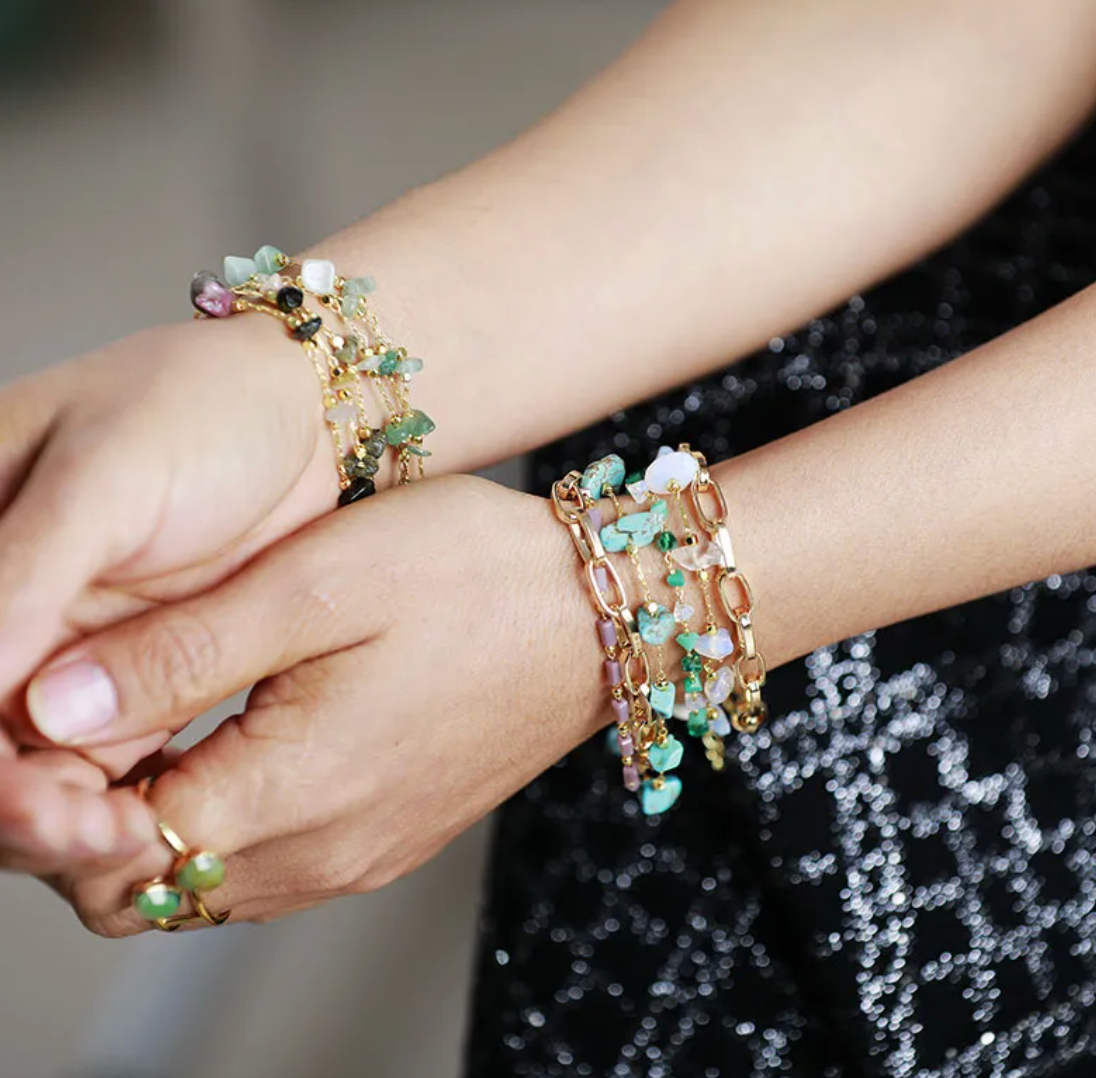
(666, 541)
(359, 286)
(692, 663)
(698, 723)
(388, 366)
(676, 579)
(269, 259)
(688, 641)
(203, 872)
(635, 477)
(157, 901)
(692, 683)
(418, 451)
(415, 425)
(349, 306)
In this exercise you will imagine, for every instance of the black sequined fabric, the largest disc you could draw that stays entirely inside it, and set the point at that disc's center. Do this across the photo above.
(897, 877)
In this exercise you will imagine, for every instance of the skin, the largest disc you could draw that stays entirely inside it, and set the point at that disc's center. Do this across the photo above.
(839, 177)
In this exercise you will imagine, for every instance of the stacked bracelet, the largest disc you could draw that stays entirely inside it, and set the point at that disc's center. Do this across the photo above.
(722, 672)
(271, 283)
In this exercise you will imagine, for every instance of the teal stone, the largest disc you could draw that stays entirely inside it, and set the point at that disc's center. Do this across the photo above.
(667, 756)
(359, 286)
(656, 626)
(157, 901)
(613, 539)
(612, 741)
(698, 723)
(269, 259)
(410, 366)
(203, 872)
(658, 797)
(676, 579)
(643, 527)
(692, 683)
(238, 270)
(662, 699)
(388, 366)
(605, 473)
(688, 641)
(417, 450)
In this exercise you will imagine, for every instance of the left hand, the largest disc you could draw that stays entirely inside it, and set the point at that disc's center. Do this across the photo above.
(433, 650)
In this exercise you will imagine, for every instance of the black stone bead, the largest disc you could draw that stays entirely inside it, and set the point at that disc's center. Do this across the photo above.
(359, 489)
(307, 330)
(289, 298)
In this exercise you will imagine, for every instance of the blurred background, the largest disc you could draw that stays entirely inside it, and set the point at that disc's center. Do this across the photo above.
(142, 140)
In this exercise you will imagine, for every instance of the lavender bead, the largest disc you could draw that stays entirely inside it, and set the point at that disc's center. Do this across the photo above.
(210, 295)
(608, 632)
(602, 578)
(626, 743)
(595, 518)
(620, 710)
(613, 673)
(631, 778)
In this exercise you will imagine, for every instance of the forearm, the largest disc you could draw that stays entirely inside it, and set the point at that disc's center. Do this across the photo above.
(963, 482)
(744, 167)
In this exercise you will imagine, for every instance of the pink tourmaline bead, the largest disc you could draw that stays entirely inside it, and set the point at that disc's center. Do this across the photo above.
(613, 672)
(210, 295)
(608, 632)
(631, 778)
(627, 745)
(595, 518)
(620, 710)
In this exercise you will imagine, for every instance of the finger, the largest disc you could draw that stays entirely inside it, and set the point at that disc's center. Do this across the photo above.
(55, 537)
(46, 824)
(302, 599)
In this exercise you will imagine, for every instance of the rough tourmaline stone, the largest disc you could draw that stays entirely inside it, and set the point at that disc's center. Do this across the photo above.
(289, 298)
(307, 329)
(358, 490)
(361, 467)
(210, 295)
(376, 443)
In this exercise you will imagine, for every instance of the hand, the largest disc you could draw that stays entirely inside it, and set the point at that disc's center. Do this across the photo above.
(434, 650)
(147, 471)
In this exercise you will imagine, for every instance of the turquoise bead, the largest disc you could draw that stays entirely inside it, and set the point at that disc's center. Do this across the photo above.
(656, 797)
(269, 259)
(607, 472)
(676, 579)
(613, 539)
(643, 527)
(662, 699)
(657, 625)
(667, 756)
(238, 270)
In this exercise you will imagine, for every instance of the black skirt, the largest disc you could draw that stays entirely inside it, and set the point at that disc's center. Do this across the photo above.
(897, 877)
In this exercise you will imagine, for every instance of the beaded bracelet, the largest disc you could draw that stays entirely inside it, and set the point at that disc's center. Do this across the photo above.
(267, 283)
(672, 476)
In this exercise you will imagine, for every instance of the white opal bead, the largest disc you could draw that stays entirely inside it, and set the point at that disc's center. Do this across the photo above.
(679, 468)
(721, 725)
(717, 645)
(318, 276)
(639, 492)
(682, 612)
(343, 412)
(718, 688)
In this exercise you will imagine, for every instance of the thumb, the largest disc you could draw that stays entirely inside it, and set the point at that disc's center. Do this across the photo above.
(158, 671)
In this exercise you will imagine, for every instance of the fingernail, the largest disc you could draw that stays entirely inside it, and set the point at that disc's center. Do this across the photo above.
(72, 701)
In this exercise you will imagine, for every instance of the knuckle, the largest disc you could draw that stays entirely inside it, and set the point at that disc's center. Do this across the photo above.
(178, 658)
(335, 876)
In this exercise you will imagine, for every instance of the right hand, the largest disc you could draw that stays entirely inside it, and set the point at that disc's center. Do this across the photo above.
(146, 472)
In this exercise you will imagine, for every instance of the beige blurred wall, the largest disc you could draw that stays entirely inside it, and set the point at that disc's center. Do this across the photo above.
(172, 133)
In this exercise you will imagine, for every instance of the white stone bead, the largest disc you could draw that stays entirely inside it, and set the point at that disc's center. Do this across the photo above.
(343, 412)
(697, 556)
(639, 492)
(679, 468)
(682, 612)
(318, 276)
(717, 645)
(718, 688)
